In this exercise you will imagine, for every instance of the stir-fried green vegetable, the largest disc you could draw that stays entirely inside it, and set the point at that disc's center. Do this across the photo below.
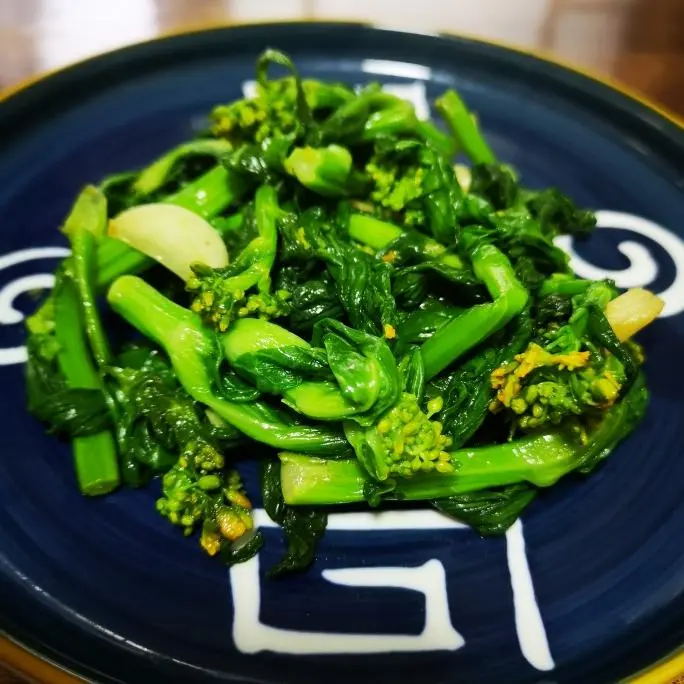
(314, 284)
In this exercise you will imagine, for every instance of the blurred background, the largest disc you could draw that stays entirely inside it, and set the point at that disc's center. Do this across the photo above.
(638, 42)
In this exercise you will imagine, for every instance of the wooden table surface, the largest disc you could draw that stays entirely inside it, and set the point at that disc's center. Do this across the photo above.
(637, 42)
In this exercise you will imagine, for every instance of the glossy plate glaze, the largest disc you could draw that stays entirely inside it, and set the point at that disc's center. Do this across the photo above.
(588, 588)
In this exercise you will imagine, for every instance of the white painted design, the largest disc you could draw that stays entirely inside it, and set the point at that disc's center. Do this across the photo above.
(529, 625)
(427, 519)
(32, 254)
(249, 89)
(9, 315)
(642, 270)
(414, 93)
(385, 67)
(251, 635)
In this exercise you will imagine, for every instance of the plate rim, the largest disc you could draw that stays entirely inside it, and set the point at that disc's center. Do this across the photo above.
(30, 661)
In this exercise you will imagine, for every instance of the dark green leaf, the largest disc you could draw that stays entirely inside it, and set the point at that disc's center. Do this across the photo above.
(279, 369)
(311, 302)
(496, 183)
(412, 371)
(469, 391)
(558, 214)
(269, 57)
(304, 526)
(241, 551)
(488, 511)
(363, 366)
(603, 335)
(72, 412)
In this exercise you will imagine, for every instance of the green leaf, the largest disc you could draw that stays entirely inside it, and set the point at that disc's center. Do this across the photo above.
(496, 183)
(240, 552)
(304, 526)
(277, 370)
(603, 336)
(269, 57)
(72, 412)
(412, 373)
(363, 366)
(469, 391)
(489, 511)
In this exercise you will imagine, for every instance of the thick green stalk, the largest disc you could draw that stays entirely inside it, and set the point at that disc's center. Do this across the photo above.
(476, 324)
(379, 234)
(156, 174)
(540, 459)
(95, 457)
(433, 136)
(464, 128)
(400, 120)
(319, 399)
(84, 227)
(565, 286)
(327, 171)
(211, 193)
(192, 350)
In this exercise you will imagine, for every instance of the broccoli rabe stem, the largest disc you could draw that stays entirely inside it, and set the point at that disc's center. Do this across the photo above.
(476, 324)
(317, 399)
(464, 128)
(192, 349)
(380, 115)
(327, 171)
(84, 227)
(221, 295)
(380, 234)
(401, 119)
(211, 193)
(540, 459)
(564, 285)
(207, 196)
(156, 174)
(95, 456)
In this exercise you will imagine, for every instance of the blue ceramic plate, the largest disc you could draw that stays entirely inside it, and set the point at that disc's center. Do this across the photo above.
(589, 588)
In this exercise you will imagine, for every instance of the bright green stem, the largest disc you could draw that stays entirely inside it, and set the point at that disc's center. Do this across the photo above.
(319, 400)
(307, 480)
(95, 457)
(540, 459)
(192, 350)
(84, 226)
(260, 253)
(207, 196)
(563, 285)
(379, 234)
(433, 136)
(266, 213)
(373, 232)
(464, 128)
(155, 175)
(115, 258)
(250, 335)
(211, 193)
(324, 170)
(95, 461)
(476, 324)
